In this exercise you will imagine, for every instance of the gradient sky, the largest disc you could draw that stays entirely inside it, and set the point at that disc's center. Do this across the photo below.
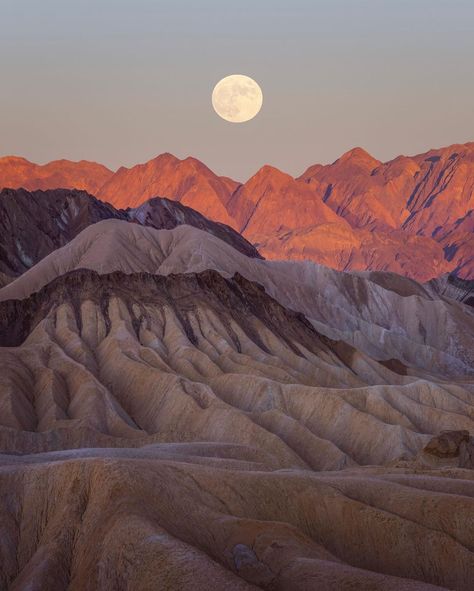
(120, 81)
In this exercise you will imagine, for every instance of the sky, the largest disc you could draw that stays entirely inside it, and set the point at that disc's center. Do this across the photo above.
(121, 81)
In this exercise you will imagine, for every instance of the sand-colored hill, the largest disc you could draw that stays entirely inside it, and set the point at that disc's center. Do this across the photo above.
(384, 315)
(189, 432)
(35, 223)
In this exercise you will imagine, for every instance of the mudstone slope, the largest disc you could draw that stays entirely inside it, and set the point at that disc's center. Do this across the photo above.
(190, 431)
(176, 412)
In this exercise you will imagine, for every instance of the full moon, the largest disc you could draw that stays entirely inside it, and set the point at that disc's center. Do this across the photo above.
(237, 98)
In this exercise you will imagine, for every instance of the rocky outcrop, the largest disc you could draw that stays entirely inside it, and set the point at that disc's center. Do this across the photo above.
(353, 249)
(453, 287)
(466, 454)
(272, 201)
(447, 444)
(449, 448)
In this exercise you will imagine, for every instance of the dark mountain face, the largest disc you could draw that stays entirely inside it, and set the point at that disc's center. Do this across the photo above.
(165, 213)
(455, 288)
(235, 299)
(34, 223)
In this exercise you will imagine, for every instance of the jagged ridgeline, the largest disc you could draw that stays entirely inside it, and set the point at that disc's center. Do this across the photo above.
(412, 215)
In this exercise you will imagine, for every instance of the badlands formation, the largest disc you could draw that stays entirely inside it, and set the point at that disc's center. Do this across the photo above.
(382, 314)
(178, 413)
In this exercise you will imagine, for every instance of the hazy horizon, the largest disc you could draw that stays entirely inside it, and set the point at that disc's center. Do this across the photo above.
(119, 82)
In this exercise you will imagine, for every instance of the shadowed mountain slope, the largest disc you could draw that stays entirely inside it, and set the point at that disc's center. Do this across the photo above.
(162, 213)
(34, 224)
(454, 288)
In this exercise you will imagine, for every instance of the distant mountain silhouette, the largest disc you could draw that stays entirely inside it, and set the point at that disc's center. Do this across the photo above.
(18, 172)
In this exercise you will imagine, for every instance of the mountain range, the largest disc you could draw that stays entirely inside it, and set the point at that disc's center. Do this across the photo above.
(412, 215)
(208, 385)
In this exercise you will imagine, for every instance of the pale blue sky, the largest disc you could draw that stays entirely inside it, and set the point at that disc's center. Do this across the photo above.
(120, 81)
